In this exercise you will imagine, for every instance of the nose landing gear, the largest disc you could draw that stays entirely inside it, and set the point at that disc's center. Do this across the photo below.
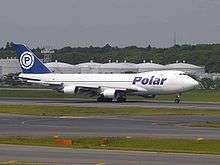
(177, 99)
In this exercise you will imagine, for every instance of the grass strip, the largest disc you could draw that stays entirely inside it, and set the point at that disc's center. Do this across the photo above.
(198, 146)
(42, 110)
(195, 95)
(19, 163)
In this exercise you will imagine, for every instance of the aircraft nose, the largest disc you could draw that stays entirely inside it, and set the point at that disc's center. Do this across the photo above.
(190, 83)
(193, 83)
(196, 83)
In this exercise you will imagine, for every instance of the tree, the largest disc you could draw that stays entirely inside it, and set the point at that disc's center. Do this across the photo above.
(107, 46)
(207, 83)
(217, 83)
(149, 47)
(8, 46)
(66, 49)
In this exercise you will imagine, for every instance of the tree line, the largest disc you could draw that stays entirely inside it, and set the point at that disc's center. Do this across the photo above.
(207, 55)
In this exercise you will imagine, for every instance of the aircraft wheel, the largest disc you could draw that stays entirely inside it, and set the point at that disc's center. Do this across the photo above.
(103, 99)
(121, 99)
(108, 99)
(177, 101)
(100, 98)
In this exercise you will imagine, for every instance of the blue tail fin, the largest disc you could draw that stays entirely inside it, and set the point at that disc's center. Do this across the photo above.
(28, 60)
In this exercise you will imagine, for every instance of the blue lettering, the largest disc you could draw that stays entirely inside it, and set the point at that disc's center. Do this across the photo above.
(162, 81)
(145, 81)
(149, 81)
(137, 79)
(156, 81)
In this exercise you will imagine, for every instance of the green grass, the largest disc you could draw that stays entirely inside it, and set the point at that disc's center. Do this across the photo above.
(203, 146)
(42, 110)
(19, 163)
(195, 95)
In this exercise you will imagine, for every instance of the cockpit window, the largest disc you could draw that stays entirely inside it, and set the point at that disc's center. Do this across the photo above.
(190, 75)
(183, 74)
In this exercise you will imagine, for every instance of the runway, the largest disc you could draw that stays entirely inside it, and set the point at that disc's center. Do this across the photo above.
(149, 126)
(92, 103)
(63, 156)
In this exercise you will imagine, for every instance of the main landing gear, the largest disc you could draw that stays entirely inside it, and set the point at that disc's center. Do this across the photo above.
(101, 98)
(119, 99)
(177, 99)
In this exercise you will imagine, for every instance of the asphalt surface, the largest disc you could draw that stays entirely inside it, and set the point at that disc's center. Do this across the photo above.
(100, 157)
(151, 126)
(93, 103)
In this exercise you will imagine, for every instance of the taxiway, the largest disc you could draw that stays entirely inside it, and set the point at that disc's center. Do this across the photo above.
(66, 156)
(92, 103)
(149, 126)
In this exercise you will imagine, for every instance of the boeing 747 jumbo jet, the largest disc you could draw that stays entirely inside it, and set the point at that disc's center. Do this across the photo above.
(107, 87)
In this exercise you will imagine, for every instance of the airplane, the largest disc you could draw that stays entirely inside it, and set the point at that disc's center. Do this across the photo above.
(106, 87)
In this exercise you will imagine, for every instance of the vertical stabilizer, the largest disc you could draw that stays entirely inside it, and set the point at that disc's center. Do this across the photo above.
(28, 60)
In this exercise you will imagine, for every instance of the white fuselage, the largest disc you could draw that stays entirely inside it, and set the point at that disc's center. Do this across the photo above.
(155, 82)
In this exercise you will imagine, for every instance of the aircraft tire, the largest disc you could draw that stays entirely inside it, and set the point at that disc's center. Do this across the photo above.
(177, 101)
(103, 99)
(108, 99)
(100, 98)
(121, 99)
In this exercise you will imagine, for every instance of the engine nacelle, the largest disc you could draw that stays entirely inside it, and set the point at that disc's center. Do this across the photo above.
(109, 93)
(70, 89)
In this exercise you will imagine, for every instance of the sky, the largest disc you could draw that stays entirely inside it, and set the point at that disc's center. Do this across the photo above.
(59, 23)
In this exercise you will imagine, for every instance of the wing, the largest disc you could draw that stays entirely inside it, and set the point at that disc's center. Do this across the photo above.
(88, 89)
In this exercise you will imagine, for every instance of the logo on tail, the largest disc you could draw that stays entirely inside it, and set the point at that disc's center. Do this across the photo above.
(27, 60)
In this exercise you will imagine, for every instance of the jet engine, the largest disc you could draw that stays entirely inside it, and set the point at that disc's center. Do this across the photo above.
(109, 93)
(69, 89)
